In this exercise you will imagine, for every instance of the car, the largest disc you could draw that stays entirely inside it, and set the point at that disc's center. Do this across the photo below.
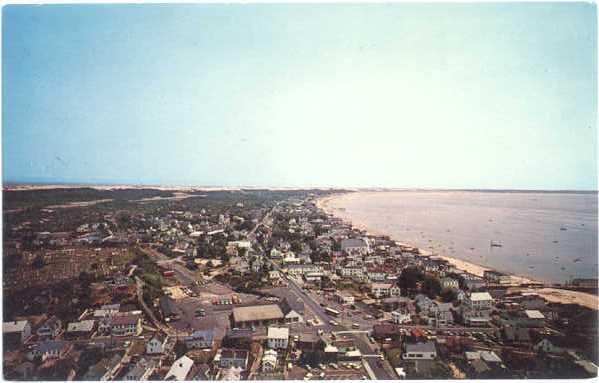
(368, 317)
(320, 332)
(355, 325)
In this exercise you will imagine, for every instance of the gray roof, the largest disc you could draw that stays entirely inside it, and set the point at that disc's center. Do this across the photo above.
(83, 326)
(420, 347)
(15, 326)
(256, 313)
(352, 242)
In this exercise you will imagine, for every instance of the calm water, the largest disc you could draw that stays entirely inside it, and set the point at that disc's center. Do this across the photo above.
(546, 236)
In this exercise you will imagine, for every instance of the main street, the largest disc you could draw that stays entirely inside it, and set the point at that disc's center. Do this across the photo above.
(380, 368)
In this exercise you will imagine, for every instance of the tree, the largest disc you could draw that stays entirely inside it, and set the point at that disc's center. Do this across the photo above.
(431, 287)
(180, 349)
(409, 278)
(448, 295)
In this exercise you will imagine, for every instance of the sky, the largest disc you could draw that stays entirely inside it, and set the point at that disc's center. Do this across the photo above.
(474, 95)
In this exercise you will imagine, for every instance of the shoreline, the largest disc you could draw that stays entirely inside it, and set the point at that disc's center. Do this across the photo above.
(551, 294)
(460, 264)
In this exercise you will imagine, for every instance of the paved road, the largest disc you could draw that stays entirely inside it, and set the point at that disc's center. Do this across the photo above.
(381, 368)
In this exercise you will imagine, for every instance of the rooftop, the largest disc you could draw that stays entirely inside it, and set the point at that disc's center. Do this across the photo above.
(257, 313)
(278, 332)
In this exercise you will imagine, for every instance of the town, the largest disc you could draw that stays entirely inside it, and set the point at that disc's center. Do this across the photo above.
(154, 284)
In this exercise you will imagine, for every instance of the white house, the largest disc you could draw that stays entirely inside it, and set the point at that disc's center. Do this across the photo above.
(200, 339)
(232, 358)
(179, 369)
(422, 351)
(269, 361)
(449, 283)
(278, 337)
(156, 344)
(380, 290)
(549, 346)
(476, 308)
(400, 317)
(16, 332)
(50, 329)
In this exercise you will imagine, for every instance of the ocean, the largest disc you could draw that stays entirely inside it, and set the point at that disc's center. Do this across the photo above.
(546, 236)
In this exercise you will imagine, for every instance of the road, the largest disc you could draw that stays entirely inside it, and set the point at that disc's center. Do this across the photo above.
(380, 368)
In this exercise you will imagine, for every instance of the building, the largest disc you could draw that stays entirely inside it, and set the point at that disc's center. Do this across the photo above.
(200, 339)
(179, 369)
(82, 329)
(169, 308)
(534, 318)
(476, 308)
(50, 329)
(344, 298)
(473, 282)
(156, 344)
(105, 369)
(355, 245)
(231, 357)
(126, 325)
(278, 337)
(449, 283)
(269, 361)
(16, 332)
(380, 290)
(263, 315)
(497, 277)
(142, 370)
(50, 349)
(401, 317)
(420, 351)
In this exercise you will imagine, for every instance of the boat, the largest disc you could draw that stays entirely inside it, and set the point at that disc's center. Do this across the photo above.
(577, 260)
(555, 241)
(563, 228)
(495, 244)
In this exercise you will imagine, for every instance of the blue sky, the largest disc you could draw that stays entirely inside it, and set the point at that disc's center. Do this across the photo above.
(393, 95)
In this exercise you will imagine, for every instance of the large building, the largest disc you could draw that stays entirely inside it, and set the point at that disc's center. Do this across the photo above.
(263, 315)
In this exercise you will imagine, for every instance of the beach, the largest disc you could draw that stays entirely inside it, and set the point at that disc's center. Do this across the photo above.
(331, 206)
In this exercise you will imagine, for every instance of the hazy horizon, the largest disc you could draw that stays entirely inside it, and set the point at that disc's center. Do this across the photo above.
(437, 96)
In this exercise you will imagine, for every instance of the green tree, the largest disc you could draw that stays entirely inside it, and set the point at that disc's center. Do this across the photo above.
(448, 295)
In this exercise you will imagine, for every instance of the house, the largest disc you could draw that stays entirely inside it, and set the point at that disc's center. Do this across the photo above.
(105, 369)
(261, 315)
(344, 298)
(126, 325)
(269, 361)
(82, 329)
(401, 317)
(142, 370)
(352, 272)
(50, 349)
(200, 339)
(293, 310)
(550, 345)
(231, 357)
(534, 318)
(476, 308)
(380, 290)
(449, 283)
(423, 302)
(238, 338)
(516, 334)
(355, 245)
(50, 329)
(440, 314)
(16, 332)
(278, 337)
(308, 341)
(497, 277)
(168, 308)
(473, 282)
(179, 369)
(156, 344)
(420, 351)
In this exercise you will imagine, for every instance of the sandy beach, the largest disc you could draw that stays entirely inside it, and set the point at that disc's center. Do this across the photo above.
(551, 294)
